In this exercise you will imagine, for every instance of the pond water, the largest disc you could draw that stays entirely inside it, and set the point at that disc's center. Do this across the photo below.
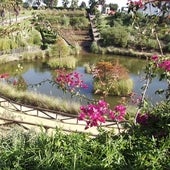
(35, 72)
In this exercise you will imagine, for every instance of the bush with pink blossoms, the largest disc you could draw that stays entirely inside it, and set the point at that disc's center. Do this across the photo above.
(161, 62)
(160, 66)
(98, 113)
(135, 5)
(165, 65)
(142, 119)
(4, 76)
(69, 81)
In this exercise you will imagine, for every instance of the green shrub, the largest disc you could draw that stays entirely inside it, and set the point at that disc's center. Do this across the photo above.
(60, 48)
(34, 37)
(65, 21)
(62, 62)
(119, 88)
(94, 47)
(79, 22)
(40, 151)
(5, 45)
(168, 47)
(32, 55)
(116, 36)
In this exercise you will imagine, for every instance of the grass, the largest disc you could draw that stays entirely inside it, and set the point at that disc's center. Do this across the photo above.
(39, 100)
(119, 88)
(62, 62)
(126, 52)
(41, 151)
(38, 54)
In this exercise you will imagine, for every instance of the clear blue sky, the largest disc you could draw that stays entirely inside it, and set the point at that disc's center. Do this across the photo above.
(119, 2)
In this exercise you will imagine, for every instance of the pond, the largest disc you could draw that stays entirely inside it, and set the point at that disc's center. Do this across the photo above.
(35, 72)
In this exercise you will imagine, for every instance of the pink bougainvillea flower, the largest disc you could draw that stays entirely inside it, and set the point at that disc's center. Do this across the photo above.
(71, 80)
(155, 58)
(96, 114)
(142, 119)
(165, 65)
(138, 3)
(120, 112)
(4, 76)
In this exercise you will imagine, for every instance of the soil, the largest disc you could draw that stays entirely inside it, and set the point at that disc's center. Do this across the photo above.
(80, 37)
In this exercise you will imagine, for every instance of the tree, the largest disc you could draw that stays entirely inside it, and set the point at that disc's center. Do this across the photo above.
(61, 48)
(113, 7)
(16, 10)
(102, 2)
(83, 5)
(74, 4)
(65, 3)
(92, 6)
(51, 3)
(2, 13)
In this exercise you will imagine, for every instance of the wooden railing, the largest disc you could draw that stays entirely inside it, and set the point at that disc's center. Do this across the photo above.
(58, 116)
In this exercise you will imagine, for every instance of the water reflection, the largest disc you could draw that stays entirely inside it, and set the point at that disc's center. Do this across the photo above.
(36, 72)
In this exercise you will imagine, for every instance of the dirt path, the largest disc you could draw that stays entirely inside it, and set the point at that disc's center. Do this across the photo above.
(30, 119)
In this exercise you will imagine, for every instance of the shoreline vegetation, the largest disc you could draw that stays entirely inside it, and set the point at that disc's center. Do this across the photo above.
(143, 138)
(34, 51)
(38, 100)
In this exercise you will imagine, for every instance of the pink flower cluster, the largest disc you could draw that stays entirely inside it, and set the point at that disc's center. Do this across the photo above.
(138, 3)
(96, 114)
(142, 119)
(70, 80)
(4, 76)
(163, 64)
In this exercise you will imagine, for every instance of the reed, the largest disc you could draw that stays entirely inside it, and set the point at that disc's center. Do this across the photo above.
(119, 88)
(39, 100)
(68, 62)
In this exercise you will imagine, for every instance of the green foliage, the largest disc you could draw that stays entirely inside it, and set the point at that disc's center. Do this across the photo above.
(141, 31)
(34, 99)
(5, 45)
(68, 62)
(94, 47)
(65, 21)
(168, 47)
(60, 48)
(112, 79)
(34, 37)
(32, 55)
(113, 6)
(20, 84)
(117, 36)
(130, 150)
(118, 88)
(79, 22)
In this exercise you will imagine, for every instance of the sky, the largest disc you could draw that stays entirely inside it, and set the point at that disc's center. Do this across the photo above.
(121, 3)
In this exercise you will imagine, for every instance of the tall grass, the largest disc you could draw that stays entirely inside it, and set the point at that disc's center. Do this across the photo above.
(39, 100)
(32, 55)
(119, 88)
(21, 150)
(63, 62)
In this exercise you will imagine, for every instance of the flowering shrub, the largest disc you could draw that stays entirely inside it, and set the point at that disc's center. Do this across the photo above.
(69, 81)
(142, 119)
(4, 76)
(135, 5)
(163, 64)
(96, 114)
(111, 79)
(161, 68)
